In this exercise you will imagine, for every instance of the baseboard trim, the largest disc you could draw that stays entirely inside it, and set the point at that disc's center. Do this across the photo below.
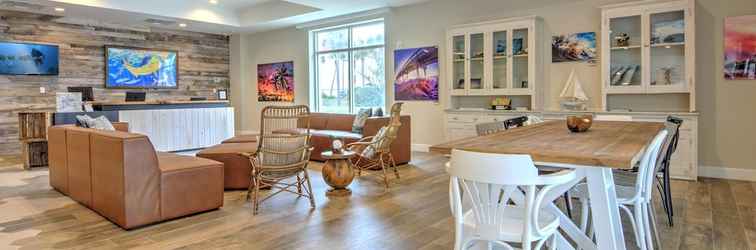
(727, 173)
(416, 147)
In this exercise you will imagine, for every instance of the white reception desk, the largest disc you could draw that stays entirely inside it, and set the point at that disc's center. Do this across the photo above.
(177, 126)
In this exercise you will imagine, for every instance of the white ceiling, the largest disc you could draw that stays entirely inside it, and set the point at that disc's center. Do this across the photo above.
(228, 16)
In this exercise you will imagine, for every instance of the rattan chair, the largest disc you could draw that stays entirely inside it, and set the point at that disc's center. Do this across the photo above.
(374, 152)
(282, 154)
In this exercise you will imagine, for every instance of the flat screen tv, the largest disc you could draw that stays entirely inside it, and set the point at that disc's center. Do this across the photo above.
(28, 59)
(137, 68)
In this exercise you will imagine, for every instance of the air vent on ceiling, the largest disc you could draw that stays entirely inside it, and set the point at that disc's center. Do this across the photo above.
(159, 22)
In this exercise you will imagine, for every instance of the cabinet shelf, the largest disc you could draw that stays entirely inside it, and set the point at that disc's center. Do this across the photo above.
(626, 47)
(656, 45)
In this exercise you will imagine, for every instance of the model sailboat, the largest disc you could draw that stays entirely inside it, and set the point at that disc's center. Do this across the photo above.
(573, 97)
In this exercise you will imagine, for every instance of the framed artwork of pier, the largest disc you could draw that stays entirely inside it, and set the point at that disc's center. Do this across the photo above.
(416, 74)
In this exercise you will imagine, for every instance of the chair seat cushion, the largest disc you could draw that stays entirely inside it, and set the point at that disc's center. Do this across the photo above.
(511, 228)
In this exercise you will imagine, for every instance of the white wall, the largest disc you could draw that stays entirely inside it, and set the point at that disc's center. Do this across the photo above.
(727, 117)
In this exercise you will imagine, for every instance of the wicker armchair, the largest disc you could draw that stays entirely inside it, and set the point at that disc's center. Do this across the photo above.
(282, 155)
(374, 152)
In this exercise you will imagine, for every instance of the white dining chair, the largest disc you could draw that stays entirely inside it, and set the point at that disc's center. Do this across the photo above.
(489, 182)
(642, 218)
(617, 118)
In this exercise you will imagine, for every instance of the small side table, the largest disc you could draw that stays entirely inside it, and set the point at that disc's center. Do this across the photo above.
(338, 172)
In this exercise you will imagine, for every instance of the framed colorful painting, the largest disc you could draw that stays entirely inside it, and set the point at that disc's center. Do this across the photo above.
(138, 68)
(416, 74)
(576, 47)
(740, 48)
(275, 82)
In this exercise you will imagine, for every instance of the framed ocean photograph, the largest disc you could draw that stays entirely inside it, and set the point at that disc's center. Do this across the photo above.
(576, 47)
(740, 48)
(275, 82)
(28, 59)
(138, 68)
(416, 74)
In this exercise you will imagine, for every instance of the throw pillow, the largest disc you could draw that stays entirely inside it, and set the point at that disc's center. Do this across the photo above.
(378, 112)
(101, 123)
(83, 121)
(360, 119)
(369, 152)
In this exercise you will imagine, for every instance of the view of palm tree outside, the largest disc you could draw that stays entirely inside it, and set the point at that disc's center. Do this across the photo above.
(350, 68)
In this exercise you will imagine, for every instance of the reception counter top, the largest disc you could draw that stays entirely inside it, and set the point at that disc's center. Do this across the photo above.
(114, 106)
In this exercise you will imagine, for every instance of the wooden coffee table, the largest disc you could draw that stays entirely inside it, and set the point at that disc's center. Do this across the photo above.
(338, 172)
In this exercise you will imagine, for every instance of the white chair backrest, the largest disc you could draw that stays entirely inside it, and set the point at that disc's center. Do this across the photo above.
(617, 118)
(489, 181)
(647, 167)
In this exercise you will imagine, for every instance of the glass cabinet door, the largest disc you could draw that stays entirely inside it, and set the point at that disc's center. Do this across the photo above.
(667, 49)
(520, 58)
(625, 34)
(477, 57)
(500, 53)
(458, 69)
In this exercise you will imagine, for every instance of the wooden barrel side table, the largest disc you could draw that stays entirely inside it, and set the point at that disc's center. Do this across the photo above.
(338, 172)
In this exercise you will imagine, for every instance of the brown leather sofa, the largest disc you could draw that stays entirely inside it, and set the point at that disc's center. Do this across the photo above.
(323, 126)
(120, 176)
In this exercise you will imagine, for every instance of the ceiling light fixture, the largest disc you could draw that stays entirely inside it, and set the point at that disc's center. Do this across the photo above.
(59, 9)
(182, 25)
(214, 1)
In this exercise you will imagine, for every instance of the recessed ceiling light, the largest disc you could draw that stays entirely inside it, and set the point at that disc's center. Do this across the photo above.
(182, 25)
(59, 9)
(214, 1)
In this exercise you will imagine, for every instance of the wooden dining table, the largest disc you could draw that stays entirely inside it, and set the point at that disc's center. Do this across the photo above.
(605, 146)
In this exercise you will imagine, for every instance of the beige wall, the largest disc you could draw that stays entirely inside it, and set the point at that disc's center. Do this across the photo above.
(726, 137)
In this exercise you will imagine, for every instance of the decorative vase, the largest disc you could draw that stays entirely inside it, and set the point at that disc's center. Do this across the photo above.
(579, 124)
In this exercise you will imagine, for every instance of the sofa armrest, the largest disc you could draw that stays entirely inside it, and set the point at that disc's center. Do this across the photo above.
(121, 126)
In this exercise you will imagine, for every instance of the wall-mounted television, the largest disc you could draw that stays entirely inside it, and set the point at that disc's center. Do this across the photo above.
(28, 59)
(138, 68)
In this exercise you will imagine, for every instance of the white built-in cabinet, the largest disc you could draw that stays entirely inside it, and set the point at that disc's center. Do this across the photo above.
(658, 58)
(496, 58)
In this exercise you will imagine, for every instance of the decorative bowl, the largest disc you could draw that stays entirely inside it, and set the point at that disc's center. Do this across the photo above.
(579, 123)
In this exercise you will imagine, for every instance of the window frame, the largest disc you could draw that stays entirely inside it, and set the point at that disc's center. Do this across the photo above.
(350, 50)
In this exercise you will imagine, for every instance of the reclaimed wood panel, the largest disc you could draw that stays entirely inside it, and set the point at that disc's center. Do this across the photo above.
(203, 64)
(607, 143)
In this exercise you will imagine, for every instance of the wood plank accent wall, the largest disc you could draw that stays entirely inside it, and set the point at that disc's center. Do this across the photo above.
(203, 64)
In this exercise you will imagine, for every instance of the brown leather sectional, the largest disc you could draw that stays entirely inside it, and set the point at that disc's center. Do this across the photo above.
(323, 126)
(121, 176)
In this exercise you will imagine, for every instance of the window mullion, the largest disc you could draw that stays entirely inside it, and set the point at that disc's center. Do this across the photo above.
(350, 80)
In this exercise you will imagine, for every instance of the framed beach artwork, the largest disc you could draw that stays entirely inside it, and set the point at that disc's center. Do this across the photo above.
(275, 82)
(576, 47)
(138, 68)
(740, 48)
(416, 74)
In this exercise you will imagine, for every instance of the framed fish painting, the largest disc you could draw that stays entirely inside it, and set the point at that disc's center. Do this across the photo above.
(138, 68)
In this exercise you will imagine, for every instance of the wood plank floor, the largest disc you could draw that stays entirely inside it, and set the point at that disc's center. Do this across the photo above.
(413, 214)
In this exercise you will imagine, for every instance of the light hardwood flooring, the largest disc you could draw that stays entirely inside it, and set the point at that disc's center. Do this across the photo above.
(413, 214)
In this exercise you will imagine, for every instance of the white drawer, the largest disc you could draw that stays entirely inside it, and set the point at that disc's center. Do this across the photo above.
(457, 118)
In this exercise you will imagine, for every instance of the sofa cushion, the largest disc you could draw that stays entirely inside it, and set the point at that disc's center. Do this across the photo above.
(341, 122)
(336, 134)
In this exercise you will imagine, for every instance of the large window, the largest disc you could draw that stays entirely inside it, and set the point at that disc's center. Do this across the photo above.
(349, 68)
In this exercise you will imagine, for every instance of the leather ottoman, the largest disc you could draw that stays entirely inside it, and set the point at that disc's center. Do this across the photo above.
(242, 139)
(237, 168)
